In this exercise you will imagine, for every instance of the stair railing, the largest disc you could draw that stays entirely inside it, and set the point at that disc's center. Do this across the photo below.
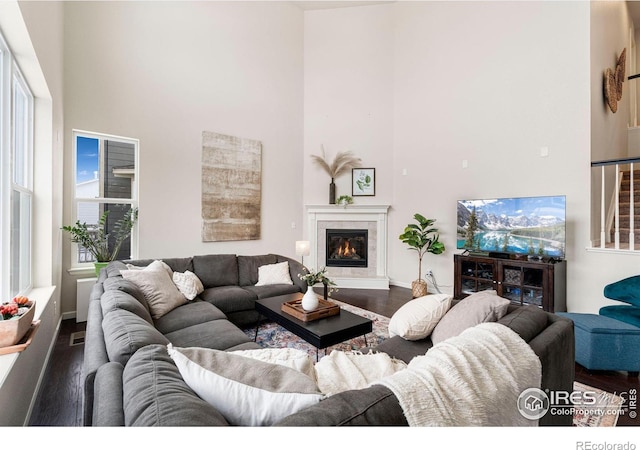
(612, 214)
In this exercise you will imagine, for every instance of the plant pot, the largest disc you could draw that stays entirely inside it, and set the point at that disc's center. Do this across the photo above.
(12, 330)
(418, 288)
(98, 266)
(310, 300)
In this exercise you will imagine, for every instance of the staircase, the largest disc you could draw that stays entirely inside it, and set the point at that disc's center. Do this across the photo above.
(624, 207)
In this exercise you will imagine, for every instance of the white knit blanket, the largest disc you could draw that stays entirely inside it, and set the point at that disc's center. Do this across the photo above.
(342, 371)
(473, 379)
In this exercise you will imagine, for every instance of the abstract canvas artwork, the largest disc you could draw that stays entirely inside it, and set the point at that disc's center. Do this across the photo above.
(231, 187)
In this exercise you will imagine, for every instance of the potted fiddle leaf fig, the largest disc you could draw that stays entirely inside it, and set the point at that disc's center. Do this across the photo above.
(423, 238)
(102, 245)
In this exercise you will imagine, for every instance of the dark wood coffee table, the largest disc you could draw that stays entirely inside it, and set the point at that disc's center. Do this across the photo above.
(321, 333)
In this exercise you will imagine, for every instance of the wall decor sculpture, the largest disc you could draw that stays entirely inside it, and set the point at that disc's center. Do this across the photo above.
(613, 80)
(231, 187)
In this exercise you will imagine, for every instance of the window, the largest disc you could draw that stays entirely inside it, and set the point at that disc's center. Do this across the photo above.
(16, 177)
(105, 182)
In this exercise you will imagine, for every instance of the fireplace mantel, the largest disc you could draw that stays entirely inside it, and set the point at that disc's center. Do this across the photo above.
(318, 216)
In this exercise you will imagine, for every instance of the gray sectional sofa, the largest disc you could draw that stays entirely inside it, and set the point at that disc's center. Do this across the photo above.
(131, 380)
(120, 323)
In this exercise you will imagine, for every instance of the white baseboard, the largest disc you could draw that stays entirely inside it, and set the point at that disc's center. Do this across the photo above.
(362, 283)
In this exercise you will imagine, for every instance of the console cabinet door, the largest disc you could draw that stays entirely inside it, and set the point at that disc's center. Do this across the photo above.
(523, 284)
(474, 275)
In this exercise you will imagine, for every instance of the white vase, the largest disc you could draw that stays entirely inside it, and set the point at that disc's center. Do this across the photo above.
(309, 299)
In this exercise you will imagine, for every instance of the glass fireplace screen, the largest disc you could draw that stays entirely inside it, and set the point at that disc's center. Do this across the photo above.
(347, 248)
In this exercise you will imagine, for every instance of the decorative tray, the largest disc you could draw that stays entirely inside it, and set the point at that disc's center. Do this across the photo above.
(325, 309)
(24, 342)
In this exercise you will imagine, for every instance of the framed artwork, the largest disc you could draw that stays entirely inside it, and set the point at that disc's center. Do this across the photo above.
(363, 182)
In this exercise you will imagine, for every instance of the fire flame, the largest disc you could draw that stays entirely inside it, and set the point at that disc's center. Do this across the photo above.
(346, 250)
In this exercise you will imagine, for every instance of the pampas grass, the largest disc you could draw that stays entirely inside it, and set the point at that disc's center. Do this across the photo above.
(343, 162)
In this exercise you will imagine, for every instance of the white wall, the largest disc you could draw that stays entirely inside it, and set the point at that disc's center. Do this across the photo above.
(164, 72)
(34, 33)
(486, 82)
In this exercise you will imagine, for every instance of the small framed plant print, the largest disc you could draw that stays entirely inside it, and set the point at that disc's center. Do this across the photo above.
(363, 182)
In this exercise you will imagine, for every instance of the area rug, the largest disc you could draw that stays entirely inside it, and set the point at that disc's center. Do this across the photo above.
(604, 413)
(271, 334)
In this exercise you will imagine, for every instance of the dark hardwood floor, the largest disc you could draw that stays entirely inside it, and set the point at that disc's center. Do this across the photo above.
(59, 402)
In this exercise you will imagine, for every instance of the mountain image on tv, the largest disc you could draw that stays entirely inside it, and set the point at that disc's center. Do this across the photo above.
(526, 225)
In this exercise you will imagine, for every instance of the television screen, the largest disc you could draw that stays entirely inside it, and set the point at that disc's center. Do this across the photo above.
(527, 225)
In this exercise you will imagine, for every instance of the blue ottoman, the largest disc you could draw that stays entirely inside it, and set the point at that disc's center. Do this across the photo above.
(603, 343)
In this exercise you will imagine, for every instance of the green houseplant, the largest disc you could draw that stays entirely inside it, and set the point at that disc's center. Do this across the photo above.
(102, 245)
(423, 238)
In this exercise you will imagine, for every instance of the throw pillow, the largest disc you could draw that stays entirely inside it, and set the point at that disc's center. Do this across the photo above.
(188, 283)
(158, 288)
(246, 391)
(155, 265)
(480, 307)
(289, 357)
(274, 274)
(417, 318)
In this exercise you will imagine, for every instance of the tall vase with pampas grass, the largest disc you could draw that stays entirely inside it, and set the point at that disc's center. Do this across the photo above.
(343, 162)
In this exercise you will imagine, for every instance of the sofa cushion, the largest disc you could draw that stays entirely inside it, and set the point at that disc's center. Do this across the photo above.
(120, 284)
(155, 394)
(277, 273)
(114, 268)
(230, 298)
(626, 290)
(159, 290)
(246, 391)
(175, 264)
(528, 321)
(404, 350)
(219, 334)
(188, 283)
(272, 290)
(187, 315)
(373, 405)
(248, 267)
(125, 333)
(480, 307)
(115, 300)
(216, 270)
(417, 318)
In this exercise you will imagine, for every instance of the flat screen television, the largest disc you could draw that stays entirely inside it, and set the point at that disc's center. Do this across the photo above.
(533, 226)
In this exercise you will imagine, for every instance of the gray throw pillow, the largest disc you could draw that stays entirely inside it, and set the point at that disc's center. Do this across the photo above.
(480, 307)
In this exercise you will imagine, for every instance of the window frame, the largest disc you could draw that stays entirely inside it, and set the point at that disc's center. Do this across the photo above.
(11, 80)
(133, 201)
(24, 189)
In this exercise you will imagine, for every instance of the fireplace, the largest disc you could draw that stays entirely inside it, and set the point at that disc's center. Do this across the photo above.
(347, 248)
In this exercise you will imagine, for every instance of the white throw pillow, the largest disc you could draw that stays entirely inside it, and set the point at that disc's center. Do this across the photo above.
(246, 391)
(188, 283)
(274, 274)
(289, 357)
(417, 318)
(158, 288)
